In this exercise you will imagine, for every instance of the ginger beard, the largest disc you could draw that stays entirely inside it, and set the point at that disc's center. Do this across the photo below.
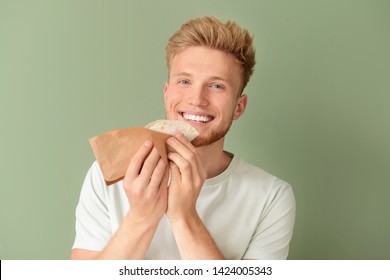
(211, 137)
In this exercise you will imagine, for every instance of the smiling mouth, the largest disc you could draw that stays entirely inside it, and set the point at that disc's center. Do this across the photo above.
(196, 118)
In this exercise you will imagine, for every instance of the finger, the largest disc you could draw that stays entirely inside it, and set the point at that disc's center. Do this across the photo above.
(149, 166)
(180, 148)
(185, 141)
(181, 144)
(165, 180)
(174, 172)
(138, 160)
(189, 153)
(182, 168)
(194, 157)
(159, 174)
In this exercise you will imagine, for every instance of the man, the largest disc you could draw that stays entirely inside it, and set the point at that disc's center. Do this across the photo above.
(216, 206)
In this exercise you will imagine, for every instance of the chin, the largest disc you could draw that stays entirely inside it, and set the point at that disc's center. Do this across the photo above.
(201, 141)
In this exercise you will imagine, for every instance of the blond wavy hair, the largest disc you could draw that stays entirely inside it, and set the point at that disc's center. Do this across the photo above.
(212, 33)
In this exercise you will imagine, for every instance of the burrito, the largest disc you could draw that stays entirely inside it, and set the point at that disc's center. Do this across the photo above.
(114, 149)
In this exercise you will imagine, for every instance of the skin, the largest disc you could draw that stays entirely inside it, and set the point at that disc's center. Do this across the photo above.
(204, 84)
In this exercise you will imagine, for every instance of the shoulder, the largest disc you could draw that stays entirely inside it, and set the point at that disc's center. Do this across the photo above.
(94, 181)
(258, 176)
(262, 185)
(94, 184)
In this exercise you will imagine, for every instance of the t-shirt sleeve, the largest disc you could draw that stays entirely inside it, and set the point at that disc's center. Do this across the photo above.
(93, 227)
(274, 231)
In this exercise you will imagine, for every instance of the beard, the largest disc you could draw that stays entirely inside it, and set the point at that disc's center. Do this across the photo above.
(212, 136)
(209, 137)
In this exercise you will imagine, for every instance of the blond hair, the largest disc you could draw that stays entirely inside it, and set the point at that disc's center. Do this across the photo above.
(210, 32)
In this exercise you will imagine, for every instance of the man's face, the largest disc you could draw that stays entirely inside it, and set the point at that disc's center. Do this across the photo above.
(204, 90)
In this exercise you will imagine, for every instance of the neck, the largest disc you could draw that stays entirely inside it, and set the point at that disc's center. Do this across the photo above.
(213, 158)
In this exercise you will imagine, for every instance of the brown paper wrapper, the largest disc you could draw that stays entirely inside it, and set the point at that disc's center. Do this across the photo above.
(114, 149)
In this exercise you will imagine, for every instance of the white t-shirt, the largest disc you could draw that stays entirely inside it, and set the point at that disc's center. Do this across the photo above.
(248, 212)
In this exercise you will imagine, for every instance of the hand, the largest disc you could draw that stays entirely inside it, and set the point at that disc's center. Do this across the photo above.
(145, 184)
(187, 178)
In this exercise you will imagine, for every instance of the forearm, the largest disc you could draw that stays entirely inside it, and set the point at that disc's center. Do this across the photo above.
(194, 241)
(132, 239)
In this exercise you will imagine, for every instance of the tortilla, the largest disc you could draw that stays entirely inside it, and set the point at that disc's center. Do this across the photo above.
(172, 127)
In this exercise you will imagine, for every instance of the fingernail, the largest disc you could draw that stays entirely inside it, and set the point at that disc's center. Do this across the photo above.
(171, 140)
(148, 143)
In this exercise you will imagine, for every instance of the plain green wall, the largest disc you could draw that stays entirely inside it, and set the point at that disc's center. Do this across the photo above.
(318, 113)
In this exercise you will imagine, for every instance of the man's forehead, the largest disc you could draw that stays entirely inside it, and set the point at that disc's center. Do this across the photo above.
(218, 67)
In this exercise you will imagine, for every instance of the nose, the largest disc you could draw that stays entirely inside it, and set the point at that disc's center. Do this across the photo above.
(198, 97)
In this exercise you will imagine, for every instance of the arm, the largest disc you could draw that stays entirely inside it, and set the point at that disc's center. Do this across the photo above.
(130, 241)
(145, 185)
(187, 177)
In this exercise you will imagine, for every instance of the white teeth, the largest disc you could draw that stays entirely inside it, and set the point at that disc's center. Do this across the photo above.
(196, 118)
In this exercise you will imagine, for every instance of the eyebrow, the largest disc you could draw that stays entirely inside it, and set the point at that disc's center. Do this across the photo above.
(214, 77)
(186, 74)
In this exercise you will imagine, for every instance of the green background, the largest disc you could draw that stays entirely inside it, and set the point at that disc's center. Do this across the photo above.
(318, 113)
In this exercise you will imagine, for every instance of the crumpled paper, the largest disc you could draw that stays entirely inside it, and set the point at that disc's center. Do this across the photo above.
(114, 149)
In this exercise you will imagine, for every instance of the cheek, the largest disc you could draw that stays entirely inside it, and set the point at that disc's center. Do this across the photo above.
(168, 101)
(228, 109)
(170, 104)
(173, 98)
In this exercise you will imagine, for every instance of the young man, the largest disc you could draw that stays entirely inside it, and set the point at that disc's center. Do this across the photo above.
(216, 206)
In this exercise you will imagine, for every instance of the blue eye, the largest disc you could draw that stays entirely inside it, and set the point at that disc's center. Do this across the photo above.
(218, 86)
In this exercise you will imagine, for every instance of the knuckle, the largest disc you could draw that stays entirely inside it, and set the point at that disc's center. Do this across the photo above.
(194, 154)
(135, 159)
(159, 171)
(192, 157)
(186, 165)
(146, 165)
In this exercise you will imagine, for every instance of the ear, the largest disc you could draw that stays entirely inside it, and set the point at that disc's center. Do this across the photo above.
(165, 90)
(240, 106)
